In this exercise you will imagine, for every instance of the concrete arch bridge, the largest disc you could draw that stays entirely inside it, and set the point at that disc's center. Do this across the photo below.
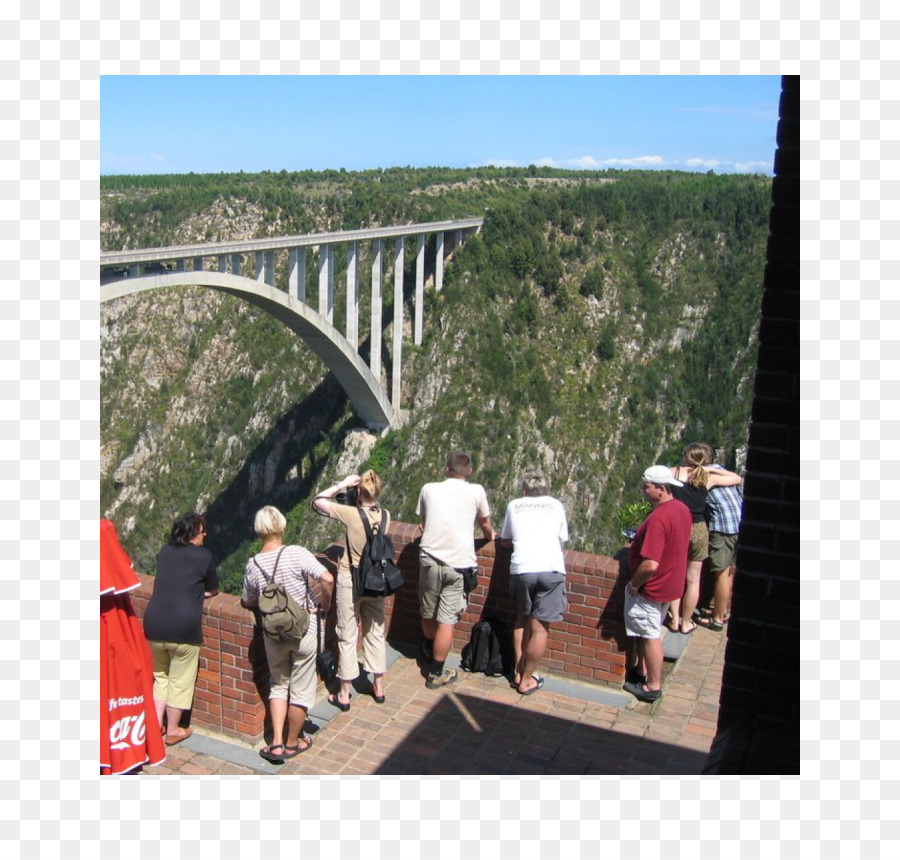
(123, 273)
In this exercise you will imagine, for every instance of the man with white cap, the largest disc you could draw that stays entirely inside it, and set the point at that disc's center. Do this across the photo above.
(657, 560)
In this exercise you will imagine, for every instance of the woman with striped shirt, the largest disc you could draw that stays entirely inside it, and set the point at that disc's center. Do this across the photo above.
(292, 664)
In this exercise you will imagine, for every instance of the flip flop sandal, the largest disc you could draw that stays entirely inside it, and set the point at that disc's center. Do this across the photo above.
(536, 687)
(269, 756)
(711, 624)
(295, 751)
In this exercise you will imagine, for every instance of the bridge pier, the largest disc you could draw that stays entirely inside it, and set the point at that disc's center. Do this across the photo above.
(235, 264)
(375, 333)
(419, 304)
(439, 263)
(398, 321)
(198, 264)
(352, 334)
(297, 273)
(326, 281)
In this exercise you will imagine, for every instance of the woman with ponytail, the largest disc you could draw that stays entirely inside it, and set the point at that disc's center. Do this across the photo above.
(354, 609)
(698, 481)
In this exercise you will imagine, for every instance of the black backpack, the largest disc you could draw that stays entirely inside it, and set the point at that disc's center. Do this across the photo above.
(488, 649)
(376, 575)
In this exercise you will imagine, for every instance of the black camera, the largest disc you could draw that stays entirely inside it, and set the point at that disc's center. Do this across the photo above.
(347, 497)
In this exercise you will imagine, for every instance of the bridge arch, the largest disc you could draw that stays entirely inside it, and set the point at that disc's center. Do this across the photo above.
(362, 387)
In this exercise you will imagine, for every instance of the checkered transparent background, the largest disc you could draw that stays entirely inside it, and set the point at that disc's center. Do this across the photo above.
(54, 803)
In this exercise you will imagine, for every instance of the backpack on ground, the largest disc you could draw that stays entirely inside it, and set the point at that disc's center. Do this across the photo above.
(488, 649)
(376, 575)
(282, 617)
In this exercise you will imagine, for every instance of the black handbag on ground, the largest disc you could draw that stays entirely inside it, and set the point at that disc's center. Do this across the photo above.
(326, 665)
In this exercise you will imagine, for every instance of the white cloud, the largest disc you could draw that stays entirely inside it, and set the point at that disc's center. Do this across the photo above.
(708, 163)
(753, 166)
(640, 161)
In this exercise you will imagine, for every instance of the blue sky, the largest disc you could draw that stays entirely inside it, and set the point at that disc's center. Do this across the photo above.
(212, 124)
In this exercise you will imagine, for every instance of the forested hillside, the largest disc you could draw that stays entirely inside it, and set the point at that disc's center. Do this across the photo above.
(596, 324)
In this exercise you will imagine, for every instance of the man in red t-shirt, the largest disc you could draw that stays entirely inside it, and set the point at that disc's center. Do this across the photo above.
(657, 561)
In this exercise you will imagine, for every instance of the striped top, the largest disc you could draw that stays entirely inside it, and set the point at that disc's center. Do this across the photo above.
(295, 561)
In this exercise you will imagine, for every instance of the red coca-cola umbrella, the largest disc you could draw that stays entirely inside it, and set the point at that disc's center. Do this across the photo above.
(129, 731)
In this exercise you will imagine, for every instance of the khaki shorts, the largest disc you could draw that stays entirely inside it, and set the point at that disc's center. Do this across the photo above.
(441, 595)
(643, 617)
(292, 666)
(698, 549)
(174, 673)
(722, 548)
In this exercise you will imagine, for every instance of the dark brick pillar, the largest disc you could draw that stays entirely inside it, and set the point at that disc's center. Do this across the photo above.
(759, 715)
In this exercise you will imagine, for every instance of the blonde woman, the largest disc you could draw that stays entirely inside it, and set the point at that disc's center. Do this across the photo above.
(698, 480)
(292, 664)
(353, 609)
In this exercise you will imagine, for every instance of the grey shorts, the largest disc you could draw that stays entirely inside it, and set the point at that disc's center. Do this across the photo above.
(542, 595)
(441, 595)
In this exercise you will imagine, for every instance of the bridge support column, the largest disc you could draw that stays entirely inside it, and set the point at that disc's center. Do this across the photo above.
(260, 269)
(134, 270)
(198, 264)
(235, 264)
(439, 263)
(179, 265)
(326, 282)
(352, 333)
(398, 322)
(420, 289)
(375, 334)
(270, 268)
(297, 273)
(223, 263)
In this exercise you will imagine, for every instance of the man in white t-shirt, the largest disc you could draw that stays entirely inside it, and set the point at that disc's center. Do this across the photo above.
(448, 510)
(537, 528)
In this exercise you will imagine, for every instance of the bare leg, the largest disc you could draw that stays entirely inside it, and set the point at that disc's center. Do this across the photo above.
(173, 718)
(160, 706)
(296, 720)
(534, 649)
(691, 596)
(343, 695)
(518, 637)
(443, 641)
(722, 597)
(378, 684)
(278, 708)
(653, 659)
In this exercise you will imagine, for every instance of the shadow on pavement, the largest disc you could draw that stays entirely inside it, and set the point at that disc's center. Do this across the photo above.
(466, 734)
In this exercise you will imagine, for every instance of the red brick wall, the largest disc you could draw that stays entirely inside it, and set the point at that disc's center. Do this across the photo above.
(588, 645)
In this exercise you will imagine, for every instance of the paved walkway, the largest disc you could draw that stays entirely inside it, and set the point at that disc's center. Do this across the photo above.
(479, 725)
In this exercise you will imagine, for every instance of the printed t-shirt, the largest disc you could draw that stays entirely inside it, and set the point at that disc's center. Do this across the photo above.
(450, 509)
(663, 537)
(295, 565)
(537, 526)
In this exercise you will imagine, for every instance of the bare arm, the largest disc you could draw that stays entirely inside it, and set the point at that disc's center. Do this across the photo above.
(642, 574)
(322, 501)
(486, 528)
(722, 478)
(210, 593)
(326, 590)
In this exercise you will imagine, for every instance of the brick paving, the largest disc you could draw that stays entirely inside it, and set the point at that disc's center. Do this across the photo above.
(479, 725)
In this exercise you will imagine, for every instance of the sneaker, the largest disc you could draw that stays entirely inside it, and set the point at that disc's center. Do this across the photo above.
(434, 682)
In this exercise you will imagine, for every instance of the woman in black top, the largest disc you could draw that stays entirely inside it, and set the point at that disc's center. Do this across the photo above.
(185, 575)
(698, 481)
